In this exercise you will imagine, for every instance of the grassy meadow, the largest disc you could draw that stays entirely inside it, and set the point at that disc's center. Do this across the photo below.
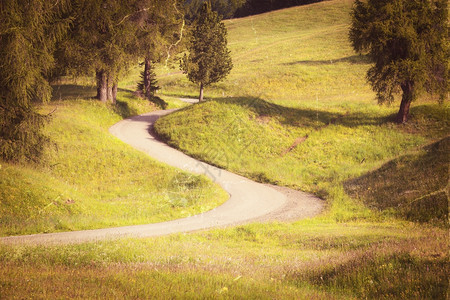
(295, 111)
(89, 179)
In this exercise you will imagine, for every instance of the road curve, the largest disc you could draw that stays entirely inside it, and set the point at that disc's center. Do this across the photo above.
(248, 200)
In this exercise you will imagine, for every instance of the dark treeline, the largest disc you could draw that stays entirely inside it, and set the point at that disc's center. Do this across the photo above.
(253, 7)
(225, 8)
(241, 8)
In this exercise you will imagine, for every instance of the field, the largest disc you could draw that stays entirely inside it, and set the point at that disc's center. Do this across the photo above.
(295, 111)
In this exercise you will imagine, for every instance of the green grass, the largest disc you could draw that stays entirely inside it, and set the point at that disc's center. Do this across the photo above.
(295, 75)
(413, 186)
(89, 179)
(295, 56)
(303, 260)
(297, 109)
(311, 150)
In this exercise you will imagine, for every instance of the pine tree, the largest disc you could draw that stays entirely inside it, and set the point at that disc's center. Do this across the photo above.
(407, 40)
(29, 31)
(148, 86)
(209, 59)
(160, 26)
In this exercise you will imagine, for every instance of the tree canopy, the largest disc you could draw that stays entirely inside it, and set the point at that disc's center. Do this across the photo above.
(29, 31)
(407, 41)
(41, 40)
(209, 59)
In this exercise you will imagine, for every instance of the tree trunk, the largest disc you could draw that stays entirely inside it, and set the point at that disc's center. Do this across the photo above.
(110, 84)
(114, 93)
(102, 86)
(147, 82)
(200, 98)
(111, 89)
(407, 98)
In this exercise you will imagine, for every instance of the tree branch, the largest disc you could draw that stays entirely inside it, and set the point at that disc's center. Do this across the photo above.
(129, 15)
(181, 35)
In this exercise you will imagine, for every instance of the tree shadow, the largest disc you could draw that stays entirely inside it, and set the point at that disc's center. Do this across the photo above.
(305, 117)
(354, 59)
(123, 109)
(63, 92)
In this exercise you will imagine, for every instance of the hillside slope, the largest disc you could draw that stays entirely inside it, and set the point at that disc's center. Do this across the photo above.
(297, 110)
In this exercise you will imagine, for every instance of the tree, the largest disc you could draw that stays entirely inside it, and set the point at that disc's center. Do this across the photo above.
(407, 41)
(101, 41)
(148, 86)
(29, 31)
(209, 59)
(160, 26)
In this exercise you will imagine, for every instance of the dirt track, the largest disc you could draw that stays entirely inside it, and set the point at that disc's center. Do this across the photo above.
(249, 201)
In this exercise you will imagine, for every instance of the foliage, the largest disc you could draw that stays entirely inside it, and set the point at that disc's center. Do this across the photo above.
(159, 31)
(209, 59)
(101, 42)
(153, 88)
(407, 40)
(148, 86)
(159, 28)
(28, 34)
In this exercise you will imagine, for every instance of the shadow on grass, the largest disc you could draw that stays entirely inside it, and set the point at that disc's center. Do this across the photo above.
(413, 186)
(123, 109)
(305, 117)
(354, 59)
(395, 275)
(72, 92)
(62, 92)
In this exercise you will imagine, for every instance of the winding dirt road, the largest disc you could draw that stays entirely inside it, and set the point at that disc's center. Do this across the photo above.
(249, 200)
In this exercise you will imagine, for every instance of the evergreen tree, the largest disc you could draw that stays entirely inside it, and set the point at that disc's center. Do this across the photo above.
(29, 31)
(407, 40)
(160, 26)
(101, 42)
(148, 86)
(209, 59)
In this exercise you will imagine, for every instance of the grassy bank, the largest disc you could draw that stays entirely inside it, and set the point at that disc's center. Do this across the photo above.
(89, 179)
